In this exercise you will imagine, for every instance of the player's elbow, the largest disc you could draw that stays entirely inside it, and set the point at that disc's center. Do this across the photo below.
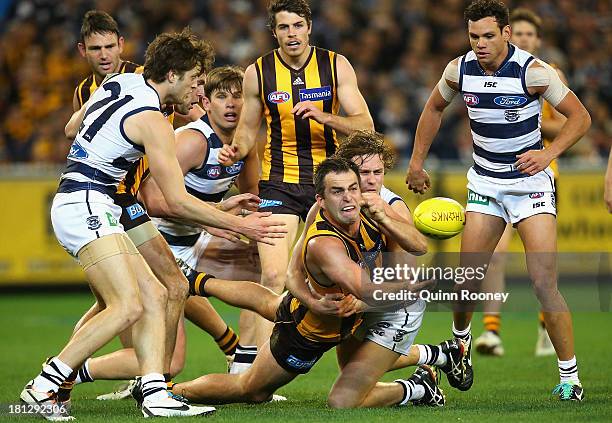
(419, 246)
(586, 119)
(70, 131)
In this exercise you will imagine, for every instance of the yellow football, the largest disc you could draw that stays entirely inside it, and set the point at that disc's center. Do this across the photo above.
(439, 217)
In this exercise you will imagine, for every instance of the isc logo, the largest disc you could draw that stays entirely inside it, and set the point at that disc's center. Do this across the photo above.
(490, 84)
(278, 97)
(538, 204)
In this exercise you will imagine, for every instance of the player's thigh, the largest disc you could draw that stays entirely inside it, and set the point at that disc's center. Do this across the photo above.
(152, 293)
(538, 234)
(277, 256)
(109, 269)
(346, 349)
(265, 376)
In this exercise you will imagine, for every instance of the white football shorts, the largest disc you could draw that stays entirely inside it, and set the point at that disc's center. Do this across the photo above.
(80, 217)
(511, 199)
(394, 330)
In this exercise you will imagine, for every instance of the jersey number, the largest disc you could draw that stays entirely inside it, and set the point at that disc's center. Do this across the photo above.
(115, 89)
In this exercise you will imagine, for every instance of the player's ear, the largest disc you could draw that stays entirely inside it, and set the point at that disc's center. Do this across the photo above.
(320, 201)
(82, 48)
(506, 33)
(120, 43)
(171, 76)
(206, 103)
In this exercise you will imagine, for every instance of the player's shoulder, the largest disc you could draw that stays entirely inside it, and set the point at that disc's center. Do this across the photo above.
(389, 196)
(130, 67)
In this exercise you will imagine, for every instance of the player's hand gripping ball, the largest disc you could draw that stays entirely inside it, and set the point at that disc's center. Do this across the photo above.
(439, 218)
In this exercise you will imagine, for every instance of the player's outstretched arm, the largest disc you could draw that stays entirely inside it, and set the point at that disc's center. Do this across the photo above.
(543, 80)
(248, 125)
(400, 230)
(417, 178)
(332, 304)
(154, 132)
(72, 127)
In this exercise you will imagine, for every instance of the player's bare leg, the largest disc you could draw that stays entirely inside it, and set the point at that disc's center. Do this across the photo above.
(274, 262)
(539, 237)
(489, 342)
(256, 385)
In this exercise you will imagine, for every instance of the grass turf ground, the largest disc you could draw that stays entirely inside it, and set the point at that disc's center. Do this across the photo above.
(513, 388)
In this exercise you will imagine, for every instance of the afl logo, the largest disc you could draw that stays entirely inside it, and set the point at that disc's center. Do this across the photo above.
(471, 99)
(278, 97)
(214, 172)
(535, 195)
(510, 100)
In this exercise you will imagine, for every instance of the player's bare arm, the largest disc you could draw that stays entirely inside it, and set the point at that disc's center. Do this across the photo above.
(395, 227)
(155, 133)
(350, 99)
(417, 178)
(544, 80)
(75, 100)
(331, 304)
(552, 126)
(72, 127)
(250, 121)
(248, 180)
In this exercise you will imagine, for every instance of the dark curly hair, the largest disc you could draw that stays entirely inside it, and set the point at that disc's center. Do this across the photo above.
(333, 164)
(178, 52)
(299, 7)
(366, 143)
(480, 9)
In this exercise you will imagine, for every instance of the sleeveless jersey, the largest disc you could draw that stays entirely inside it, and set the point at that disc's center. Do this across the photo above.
(504, 117)
(365, 250)
(87, 86)
(101, 152)
(295, 146)
(209, 182)
(389, 196)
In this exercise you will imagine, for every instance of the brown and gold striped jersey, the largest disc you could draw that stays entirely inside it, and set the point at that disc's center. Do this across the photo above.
(365, 249)
(295, 146)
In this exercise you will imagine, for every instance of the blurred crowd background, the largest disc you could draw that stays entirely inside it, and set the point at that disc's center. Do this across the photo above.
(399, 49)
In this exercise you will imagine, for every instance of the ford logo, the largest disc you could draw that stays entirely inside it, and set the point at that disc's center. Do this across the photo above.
(471, 99)
(510, 100)
(278, 97)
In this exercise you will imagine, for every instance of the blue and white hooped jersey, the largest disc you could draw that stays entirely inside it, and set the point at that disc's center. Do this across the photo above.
(504, 118)
(209, 182)
(102, 153)
(389, 196)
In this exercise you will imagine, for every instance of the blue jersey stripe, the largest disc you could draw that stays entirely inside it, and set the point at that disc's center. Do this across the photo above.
(92, 173)
(505, 130)
(215, 198)
(510, 70)
(514, 174)
(508, 157)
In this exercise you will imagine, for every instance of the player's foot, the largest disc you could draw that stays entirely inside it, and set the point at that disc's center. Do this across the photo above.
(455, 351)
(123, 391)
(137, 392)
(170, 407)
(45, 403)
(468, 379)
(569, 391)
(278, 398)
(64, 391)
(426, 377)
(489, 343)
(544, 346)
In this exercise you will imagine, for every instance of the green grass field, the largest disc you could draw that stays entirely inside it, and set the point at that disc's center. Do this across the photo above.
(513, 388)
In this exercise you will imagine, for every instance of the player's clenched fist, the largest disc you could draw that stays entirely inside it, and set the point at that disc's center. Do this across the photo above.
(417, 180)
(227, 155)
(373, 206)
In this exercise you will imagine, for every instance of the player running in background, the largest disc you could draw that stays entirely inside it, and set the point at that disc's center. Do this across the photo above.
(510, 181)
(526, 28)
(299, 89)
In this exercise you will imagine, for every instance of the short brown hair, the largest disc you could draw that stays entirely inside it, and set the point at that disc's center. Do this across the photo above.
(178, 52)
(299, 7)
(224, 78)
(526, 15)
(480, 9)
(98, 22)
(367, 143)
(333, 164)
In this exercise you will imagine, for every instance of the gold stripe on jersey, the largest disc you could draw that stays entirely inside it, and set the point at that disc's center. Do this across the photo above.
(369, 242)
(294, 146)
(87, 87)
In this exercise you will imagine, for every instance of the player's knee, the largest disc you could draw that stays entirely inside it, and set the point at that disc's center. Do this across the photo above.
(273, 279)
(129, 312)
(178, 290)
(338, 399)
